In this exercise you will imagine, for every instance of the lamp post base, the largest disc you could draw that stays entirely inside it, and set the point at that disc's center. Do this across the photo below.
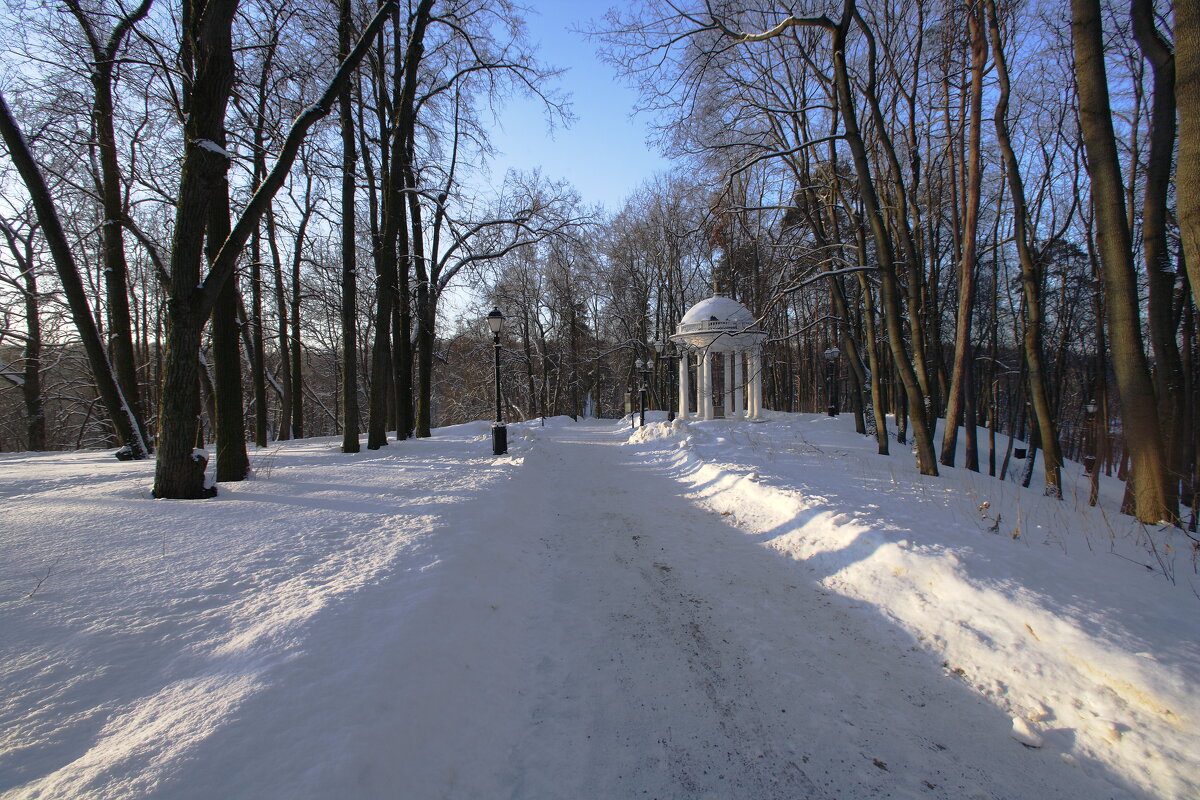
(499, 440)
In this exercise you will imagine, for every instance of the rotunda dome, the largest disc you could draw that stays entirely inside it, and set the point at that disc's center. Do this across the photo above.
(718, 323)
(718, 309)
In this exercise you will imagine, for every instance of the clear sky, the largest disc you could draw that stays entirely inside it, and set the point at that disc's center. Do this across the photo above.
(604, 152)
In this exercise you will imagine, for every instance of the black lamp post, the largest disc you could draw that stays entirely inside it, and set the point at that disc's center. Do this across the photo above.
(643, 368)
(831, 357)
(495, 321)
(666, 351)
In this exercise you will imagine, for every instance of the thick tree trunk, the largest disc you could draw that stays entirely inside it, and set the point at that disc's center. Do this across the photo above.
(1187, 96)
(426, 317)
(229, 424)
(1168, 376)
(350, 417)
(1138, 403)
(208, 48)
(408, 421)
(381, 364)
(207, 45)
(120, 326)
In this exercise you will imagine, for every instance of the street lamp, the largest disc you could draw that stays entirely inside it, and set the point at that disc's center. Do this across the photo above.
(643, 368)
(831, 357)
(666, 351)
(495, 321)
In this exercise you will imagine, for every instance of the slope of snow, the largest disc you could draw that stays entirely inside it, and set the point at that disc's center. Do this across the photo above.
(724, 610)
(1062, 615)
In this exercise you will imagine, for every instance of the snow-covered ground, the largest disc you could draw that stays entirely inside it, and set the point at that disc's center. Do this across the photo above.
(725, 610)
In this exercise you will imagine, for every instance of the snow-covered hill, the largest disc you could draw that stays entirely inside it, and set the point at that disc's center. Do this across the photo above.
(711, 610)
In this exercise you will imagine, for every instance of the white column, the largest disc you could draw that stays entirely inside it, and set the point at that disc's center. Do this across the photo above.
(706, 383)
(758, 378)
(683, 385)
(728, 387)
(752, 387)
(739, 385)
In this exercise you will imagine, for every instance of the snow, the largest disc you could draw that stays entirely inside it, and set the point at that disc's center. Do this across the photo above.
(710, 609)
(212, 147)
(1026, 734)
(724, 309)
(11, 375)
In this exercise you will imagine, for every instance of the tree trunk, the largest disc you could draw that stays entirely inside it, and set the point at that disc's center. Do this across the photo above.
(285, 348)
(405, 136)
(877, 400)
(917, 364)
(208, 49)
(229, 424)
(889, 288)
(120, 336)
(31, 389)
(1138, 403)
(1168, 376)
(964, 349)
(350, 417)
(1187, 95)
(1031, 278)
(119, 412)
(258, 347)
(179, 473)
(120, 325)
(297, 365)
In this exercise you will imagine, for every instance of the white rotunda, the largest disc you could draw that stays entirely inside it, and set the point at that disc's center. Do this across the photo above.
(720, 326)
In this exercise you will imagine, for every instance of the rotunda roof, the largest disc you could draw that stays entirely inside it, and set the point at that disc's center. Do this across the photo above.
(718, 323)
(718, 309)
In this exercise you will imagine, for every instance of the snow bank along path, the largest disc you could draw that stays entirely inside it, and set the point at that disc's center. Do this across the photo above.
(1059, 613)
(582, 618)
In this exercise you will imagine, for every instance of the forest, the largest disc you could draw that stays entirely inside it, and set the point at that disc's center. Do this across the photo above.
(235, 222)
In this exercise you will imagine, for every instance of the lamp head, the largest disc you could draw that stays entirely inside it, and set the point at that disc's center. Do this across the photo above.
(495, 320)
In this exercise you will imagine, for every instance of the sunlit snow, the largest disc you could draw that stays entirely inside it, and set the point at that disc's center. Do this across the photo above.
(714, 609)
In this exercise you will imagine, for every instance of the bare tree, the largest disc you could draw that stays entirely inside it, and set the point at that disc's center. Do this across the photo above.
(20, 242)
(1139, 408)
(119, 411)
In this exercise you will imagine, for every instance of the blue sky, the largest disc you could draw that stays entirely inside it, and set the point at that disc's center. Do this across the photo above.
(604, 152)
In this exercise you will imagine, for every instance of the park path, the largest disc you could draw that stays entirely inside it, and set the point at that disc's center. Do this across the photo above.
(611, 638)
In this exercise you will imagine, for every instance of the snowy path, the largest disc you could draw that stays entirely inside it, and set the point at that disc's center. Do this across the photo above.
(633, 644)
(578, 619)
